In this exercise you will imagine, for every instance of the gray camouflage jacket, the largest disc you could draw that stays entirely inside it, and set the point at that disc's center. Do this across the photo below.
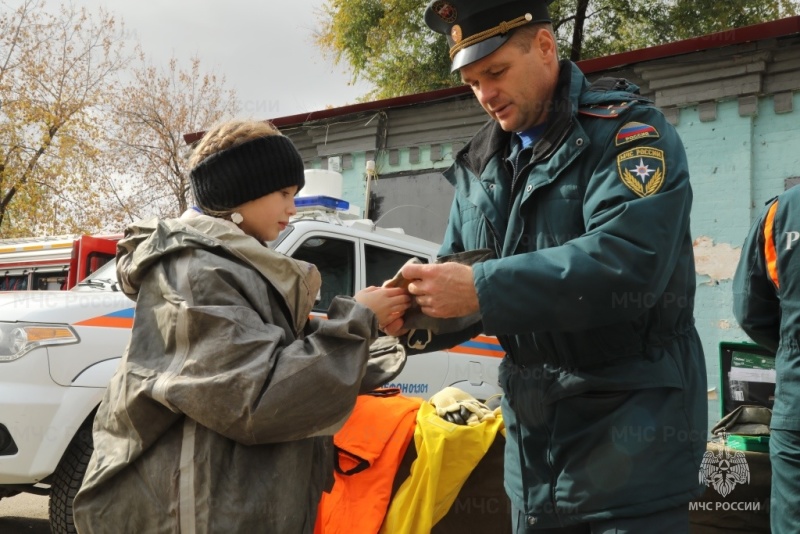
(220, 416)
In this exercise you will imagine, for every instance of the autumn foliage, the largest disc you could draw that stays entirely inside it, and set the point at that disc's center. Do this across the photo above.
(90, 132)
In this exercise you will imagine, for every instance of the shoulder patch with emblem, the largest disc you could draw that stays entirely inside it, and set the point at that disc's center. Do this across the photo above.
(642, 170)
(635, 130)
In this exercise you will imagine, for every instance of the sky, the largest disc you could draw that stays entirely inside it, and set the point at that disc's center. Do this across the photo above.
(264, 48)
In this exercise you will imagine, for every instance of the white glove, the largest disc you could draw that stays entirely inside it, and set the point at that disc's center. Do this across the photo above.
(461, 408)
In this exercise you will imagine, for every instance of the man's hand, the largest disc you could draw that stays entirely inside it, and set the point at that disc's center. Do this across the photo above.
(442, 290)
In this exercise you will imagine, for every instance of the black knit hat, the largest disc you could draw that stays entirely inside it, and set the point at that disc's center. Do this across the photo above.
(251, 170)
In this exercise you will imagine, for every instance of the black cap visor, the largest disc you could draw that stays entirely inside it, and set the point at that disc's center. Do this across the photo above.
(480, 50)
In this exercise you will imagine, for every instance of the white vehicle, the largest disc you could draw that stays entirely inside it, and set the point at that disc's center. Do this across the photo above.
(59, 349)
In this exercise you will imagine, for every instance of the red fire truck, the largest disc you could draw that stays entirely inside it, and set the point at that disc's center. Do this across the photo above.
(52, 263)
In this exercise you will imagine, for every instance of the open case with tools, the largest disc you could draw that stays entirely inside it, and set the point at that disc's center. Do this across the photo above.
(747, 378)
(736, 468)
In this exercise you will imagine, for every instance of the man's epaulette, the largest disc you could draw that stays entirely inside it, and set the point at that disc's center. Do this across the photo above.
(606, 111)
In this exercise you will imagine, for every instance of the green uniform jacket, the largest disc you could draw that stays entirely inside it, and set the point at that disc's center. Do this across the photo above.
(766, 298)
(591, 296)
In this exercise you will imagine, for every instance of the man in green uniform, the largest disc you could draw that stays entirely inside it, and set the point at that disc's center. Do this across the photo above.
(766, 303)
(582, 193)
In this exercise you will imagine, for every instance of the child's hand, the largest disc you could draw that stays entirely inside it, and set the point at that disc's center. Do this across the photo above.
(395, 328)
(388, 304)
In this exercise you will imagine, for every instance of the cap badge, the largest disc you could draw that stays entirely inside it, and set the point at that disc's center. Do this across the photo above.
(455, 33)
(445, 10)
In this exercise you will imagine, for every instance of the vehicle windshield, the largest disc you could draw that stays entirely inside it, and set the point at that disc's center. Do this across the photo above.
(104, 278)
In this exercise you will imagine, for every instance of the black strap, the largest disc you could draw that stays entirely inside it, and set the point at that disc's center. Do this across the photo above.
(610, 84)
(360, 466)
(383, 392)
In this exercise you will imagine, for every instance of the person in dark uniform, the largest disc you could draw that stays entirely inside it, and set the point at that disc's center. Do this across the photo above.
(766, 303)
(581, 191)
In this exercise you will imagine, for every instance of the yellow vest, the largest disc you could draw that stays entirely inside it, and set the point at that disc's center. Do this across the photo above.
(446, 455)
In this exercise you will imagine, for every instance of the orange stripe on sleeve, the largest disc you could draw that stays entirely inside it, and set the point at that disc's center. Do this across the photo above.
(770, 254)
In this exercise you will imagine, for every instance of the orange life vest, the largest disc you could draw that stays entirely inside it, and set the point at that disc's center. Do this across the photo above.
(369, 448)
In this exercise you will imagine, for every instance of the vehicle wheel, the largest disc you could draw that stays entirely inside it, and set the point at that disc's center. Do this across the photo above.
(67, 479)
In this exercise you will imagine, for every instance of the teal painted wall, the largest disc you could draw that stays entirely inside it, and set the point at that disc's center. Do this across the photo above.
(721, 167)
(776, 153)
(737, 164)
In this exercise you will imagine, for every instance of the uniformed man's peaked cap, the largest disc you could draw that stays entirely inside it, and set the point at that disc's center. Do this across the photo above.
(476, 28)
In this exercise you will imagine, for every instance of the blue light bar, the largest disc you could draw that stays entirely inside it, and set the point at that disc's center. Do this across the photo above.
(321, 202)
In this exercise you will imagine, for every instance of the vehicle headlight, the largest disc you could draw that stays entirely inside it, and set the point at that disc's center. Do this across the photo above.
(18, 339)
